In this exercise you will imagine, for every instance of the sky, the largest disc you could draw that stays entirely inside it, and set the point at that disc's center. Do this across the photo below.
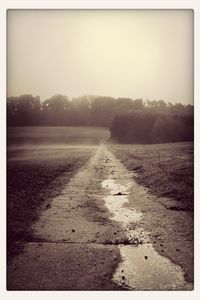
(121, 53)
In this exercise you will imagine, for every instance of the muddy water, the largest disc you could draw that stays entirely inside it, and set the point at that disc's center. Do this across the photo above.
(142, 268)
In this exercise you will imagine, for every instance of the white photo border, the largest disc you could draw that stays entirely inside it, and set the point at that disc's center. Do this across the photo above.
(97, 4)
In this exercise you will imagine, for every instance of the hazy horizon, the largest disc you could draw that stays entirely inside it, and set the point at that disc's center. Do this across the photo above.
(119, 53)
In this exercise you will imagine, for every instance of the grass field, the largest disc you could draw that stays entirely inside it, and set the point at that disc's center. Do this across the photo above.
(165, 169)
(56, 135)
(37, 157)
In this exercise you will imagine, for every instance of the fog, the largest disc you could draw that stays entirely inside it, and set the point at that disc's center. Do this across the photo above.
(118, 53)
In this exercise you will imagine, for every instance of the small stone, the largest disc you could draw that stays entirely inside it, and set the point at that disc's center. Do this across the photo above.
(156, 235)
(146, 257)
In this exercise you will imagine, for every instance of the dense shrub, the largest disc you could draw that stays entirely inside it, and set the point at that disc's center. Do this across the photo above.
(152, 127)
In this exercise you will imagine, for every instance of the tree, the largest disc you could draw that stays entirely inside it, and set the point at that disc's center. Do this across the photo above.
(80, 112)
(23, 110)
(102, 111)
(56, 110)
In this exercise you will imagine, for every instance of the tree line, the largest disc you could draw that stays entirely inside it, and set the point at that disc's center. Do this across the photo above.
(132, 121)
(59, 110)
(151, 127)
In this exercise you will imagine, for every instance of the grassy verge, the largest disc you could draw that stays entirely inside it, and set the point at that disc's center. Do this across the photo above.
(166, 169)
(34, 176)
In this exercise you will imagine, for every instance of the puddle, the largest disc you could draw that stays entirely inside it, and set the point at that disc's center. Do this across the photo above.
(142, 268)
(143, 236)
(115, 203)
(115, 187)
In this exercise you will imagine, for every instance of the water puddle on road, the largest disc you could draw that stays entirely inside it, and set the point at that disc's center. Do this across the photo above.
(141, 268)
(116, 200)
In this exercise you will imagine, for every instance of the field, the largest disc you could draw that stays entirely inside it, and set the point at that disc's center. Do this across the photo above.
(165, 169)
(61, 201)
(38, 158)
(56, 135)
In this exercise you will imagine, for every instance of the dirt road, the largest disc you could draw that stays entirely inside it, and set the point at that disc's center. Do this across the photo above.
(105, 232)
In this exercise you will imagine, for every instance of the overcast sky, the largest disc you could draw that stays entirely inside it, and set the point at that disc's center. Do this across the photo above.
(121, 53)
